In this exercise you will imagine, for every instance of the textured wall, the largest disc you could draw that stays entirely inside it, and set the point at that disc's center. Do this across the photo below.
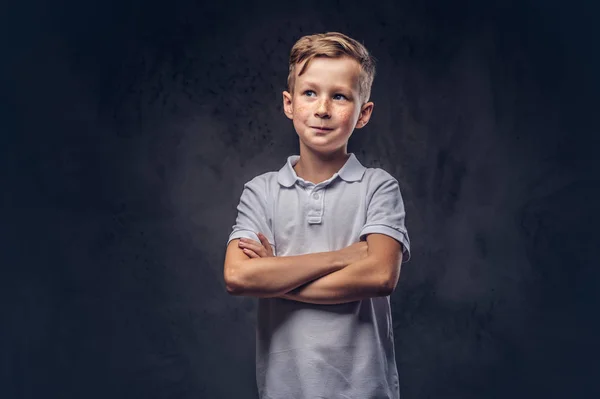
(131, 128)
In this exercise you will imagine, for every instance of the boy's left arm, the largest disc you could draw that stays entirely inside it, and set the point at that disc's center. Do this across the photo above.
(376, 275)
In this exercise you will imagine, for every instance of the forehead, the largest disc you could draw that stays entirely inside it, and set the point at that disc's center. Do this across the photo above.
(342, 71)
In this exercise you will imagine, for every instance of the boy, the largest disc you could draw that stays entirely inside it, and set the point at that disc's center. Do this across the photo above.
(324, 327)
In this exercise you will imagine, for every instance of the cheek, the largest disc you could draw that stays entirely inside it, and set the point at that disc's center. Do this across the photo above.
(300, 110)
(344, 114)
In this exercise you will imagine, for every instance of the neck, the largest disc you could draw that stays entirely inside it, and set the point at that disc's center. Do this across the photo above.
(315, 167)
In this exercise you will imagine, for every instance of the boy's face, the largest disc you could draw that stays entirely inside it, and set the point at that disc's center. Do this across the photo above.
(325, 107)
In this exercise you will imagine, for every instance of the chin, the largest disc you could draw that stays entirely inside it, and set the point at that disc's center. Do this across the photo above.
(326, 148)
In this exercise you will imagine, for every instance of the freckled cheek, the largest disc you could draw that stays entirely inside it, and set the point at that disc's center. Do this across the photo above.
(343, 115)
(301, 111)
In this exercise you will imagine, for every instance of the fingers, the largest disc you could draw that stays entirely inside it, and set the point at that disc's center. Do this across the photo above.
(262, 249)
(264, 240)
(250, 253)
(265, 243)
(251, 245)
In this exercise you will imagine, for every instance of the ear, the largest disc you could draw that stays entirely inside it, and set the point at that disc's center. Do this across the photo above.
(365, 114)
(288, 109)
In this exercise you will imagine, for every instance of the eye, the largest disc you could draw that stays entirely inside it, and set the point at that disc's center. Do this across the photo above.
(340, 95)
(306, 93)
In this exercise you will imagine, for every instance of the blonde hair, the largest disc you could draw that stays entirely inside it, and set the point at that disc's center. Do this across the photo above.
(334, 45)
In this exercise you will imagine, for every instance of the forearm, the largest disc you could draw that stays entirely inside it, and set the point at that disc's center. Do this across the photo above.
(355, 282)
(274, 276)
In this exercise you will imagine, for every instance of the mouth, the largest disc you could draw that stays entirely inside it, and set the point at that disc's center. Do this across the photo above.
(321, 129)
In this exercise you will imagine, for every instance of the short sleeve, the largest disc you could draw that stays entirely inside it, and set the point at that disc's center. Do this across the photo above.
(386, 214)
(253, 216)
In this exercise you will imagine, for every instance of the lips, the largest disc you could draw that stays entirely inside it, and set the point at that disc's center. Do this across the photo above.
(322, 129)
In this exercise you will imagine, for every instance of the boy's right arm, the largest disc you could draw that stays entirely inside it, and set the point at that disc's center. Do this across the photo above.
(277, 275)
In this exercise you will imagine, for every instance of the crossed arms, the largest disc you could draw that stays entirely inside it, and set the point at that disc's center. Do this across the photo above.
(320, 278)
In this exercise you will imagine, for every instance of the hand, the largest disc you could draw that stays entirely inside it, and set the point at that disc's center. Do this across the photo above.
(354, 252)
(255, 249)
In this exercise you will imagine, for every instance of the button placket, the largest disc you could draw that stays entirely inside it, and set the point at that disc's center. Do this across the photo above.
(316, 208)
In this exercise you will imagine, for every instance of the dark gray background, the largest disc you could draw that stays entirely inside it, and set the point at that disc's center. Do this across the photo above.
(130, 128)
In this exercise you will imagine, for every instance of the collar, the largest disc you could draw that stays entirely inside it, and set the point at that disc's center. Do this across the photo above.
(352, 170)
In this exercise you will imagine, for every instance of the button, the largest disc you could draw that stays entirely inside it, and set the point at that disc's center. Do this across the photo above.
(316, 196)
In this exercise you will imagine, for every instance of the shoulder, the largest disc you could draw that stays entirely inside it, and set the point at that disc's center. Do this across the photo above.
(377, 177)
(262, 180)
(263, 184)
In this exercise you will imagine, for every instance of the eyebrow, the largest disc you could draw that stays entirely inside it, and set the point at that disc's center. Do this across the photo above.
(335, 88)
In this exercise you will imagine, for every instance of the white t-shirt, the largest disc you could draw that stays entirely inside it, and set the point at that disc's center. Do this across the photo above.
(307, 350)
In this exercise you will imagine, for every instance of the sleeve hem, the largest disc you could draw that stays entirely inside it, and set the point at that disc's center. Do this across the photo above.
(398, 235)
(246, 234)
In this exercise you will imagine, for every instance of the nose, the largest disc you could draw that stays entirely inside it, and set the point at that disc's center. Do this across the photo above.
(322, 110)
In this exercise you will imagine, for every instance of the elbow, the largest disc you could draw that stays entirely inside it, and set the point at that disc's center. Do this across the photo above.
(233, 280)
(233, 289)
(386, 288)
(388, 285)
(390, 280)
